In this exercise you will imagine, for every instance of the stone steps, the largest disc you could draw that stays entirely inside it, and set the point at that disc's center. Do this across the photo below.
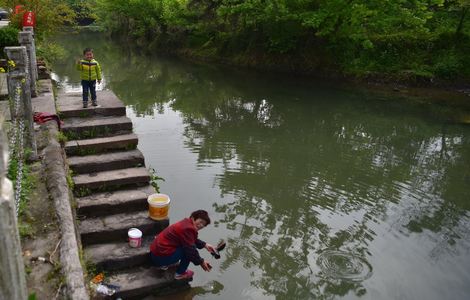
(99, 204)
(142, 281)
(109, 105)
(106, 162)
(101, 145)
(80, 112)
(119, 255)
(114, 228)
(110, 171)
(92, 127)
(107, 180)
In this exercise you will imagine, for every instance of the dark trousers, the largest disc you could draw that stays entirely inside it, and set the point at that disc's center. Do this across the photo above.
(177, 256)
(89, 86)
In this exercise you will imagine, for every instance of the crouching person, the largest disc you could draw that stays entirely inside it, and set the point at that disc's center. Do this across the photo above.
(179, 243)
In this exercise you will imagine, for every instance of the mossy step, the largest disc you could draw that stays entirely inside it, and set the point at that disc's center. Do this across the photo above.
(119, 255)
(99, 204)
(85, 128)
(101, 145)
(70, 105)
(139, 282)
(114, 179)
(114, 228)
(106, 162)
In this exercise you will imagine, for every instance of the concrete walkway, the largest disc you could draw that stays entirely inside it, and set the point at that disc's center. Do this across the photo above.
(43, 103)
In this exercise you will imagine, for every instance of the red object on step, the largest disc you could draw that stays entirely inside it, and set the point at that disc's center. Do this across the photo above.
(29, 19)
(42, 117)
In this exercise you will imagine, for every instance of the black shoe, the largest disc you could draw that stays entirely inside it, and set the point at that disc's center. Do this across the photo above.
(94, 104)
(85, 105)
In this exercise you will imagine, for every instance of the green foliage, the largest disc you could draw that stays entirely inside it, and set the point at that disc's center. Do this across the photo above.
(27, 180)
(28, 183)
(25, 229)
(8, 36)
(56, 275)
(356, 37)
(61, 138)
(50, 52)
(84, 11)
(82, 192)
(154, 178)
(85, 151)
(51, 15)
(90, 267)
(448, 66)
(69, 179)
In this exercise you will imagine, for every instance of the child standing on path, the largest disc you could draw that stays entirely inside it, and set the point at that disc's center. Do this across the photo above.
(90, 72)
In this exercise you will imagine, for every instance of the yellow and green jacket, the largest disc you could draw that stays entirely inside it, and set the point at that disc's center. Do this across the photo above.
(89, 69)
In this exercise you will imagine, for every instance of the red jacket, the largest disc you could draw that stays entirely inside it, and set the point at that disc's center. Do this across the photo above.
(182, 234)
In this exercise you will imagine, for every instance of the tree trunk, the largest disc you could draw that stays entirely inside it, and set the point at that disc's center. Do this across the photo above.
(462, 19)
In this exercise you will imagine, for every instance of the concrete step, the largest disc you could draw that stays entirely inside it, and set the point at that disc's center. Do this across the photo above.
(92, 127)
(118, 256)
(112, 228)
(100, 145)
(114, 179)
(70, 105)
(114, 202)
(143, 281)
(106, 162)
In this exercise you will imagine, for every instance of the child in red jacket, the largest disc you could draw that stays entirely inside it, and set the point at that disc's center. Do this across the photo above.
(178, 243)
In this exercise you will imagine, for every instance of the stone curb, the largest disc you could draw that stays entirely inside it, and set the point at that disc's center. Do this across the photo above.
(55, 165)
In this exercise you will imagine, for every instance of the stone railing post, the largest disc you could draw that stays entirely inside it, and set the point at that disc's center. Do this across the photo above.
(12, 274)
(26, 38)
(19, 75)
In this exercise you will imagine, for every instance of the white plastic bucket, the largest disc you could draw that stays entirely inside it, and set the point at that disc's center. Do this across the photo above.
(135, 237)
(159, 204)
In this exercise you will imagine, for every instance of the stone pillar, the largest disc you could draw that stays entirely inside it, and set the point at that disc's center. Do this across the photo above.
(12, 274)
(34, 61)
(19, 75)
(26, 39)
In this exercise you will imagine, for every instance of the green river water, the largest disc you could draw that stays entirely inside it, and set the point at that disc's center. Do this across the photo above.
(321, 191)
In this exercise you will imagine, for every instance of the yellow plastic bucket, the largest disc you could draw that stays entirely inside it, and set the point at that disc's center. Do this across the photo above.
(158, 206)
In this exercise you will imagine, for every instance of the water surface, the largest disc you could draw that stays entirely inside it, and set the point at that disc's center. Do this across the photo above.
(321, 191)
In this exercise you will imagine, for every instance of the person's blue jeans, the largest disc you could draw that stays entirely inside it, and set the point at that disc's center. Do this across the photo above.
(177, 256)
(89, 86)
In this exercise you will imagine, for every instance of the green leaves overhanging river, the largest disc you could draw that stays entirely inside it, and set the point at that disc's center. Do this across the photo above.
(415, 41)
(321, 191)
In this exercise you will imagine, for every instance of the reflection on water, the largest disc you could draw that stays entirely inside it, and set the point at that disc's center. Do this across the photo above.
(291, 170)
(214, 287)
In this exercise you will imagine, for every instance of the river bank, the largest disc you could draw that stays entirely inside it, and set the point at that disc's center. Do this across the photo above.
(424, 90)
(308, 66)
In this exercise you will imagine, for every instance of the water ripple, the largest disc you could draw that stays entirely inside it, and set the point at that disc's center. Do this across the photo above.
(343, 265)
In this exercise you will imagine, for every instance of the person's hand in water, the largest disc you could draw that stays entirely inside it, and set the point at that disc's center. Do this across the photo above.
(209, 248)
(206, 266)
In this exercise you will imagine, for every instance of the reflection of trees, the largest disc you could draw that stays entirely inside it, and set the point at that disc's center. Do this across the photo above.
(443, 209)
(286, 169)
(296, 162)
